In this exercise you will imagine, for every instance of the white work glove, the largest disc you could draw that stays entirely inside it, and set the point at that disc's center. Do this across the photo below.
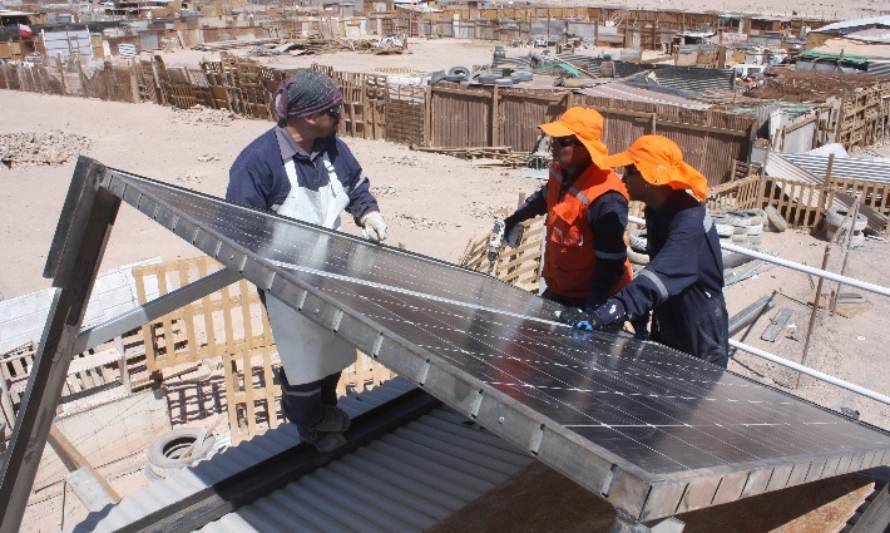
(373, 227)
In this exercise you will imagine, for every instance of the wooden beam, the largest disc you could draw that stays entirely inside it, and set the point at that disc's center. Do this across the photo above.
(74, 460)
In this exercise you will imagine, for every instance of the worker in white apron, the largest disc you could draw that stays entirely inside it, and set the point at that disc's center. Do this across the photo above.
(301, 170)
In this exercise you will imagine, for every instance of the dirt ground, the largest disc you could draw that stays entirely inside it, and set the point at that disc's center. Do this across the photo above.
(423, 55)
(816, 10)
(150, 140)
(434, 205)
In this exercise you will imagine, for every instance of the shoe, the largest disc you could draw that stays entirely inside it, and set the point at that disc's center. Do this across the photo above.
(334, 421)
(323, 442)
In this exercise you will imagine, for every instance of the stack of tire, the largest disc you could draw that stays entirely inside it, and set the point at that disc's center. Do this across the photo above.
(836, 217)
(499, 76)
(742, 227)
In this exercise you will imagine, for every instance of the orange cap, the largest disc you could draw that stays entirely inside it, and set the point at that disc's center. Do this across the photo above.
(660, 162)
(585, 124)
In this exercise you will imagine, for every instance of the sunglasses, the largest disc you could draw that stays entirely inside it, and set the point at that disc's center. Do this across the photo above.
(564, 142)
(335, 111)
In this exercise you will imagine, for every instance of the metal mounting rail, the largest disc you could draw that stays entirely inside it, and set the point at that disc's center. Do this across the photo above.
(800, 267)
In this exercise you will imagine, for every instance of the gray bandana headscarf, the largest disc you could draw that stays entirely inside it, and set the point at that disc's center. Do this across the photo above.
(306, 93)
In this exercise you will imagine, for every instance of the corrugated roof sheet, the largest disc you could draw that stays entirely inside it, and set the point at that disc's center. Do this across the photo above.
(623, 91)
(409, 480)
(843, 167)
(855, 23)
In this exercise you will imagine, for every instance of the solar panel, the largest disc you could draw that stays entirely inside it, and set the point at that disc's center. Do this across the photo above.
(652, 429)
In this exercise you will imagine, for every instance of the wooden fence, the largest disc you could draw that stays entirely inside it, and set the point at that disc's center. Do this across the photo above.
(802, 204)
(742, 193)
(444, 115)
(873, 195)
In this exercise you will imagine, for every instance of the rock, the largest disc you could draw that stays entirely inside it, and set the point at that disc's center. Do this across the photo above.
(202, 116)
(49, 148)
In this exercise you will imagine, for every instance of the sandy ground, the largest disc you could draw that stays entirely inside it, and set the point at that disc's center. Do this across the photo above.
(433, 204)
(146, 139)
(423, 55)
(815, 10)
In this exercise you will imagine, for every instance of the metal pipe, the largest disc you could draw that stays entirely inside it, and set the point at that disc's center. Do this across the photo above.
(868, 393)
(853, 282)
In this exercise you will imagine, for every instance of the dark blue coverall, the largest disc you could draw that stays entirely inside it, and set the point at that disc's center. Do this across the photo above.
(682, 284)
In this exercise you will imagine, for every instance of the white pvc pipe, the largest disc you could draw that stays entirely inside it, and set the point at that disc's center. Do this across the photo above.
(868, 393)
(853, 282)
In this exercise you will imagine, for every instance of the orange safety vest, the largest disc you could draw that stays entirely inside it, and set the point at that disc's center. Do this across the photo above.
(569, 257)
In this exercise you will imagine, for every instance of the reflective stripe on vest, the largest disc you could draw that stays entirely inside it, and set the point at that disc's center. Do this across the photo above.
(570, 255)
(557, 175)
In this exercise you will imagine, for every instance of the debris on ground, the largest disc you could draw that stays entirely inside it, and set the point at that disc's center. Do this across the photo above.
(419, 222)
(46, 148)
(808, 86)
(489, 155)
(203, 116)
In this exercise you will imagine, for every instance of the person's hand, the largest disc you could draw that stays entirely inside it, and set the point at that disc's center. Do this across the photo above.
(512, 232)
(374, 227)
(579, 319)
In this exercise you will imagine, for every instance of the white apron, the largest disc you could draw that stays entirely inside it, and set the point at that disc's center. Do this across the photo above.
(309, 352)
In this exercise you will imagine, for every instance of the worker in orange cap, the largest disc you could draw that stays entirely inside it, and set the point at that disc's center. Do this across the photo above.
(585, 259)
(683, 282)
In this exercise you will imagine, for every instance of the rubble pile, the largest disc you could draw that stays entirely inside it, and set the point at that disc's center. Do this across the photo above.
(808, 86)
(203, 116)
(47, 148)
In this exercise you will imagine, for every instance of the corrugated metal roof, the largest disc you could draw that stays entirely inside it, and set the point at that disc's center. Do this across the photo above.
(694, 79)
(843, 167)
(855, 23)
(623, 91)
(409, 480)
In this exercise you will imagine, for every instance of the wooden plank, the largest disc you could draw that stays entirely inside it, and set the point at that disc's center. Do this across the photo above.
(230, 370)
(188, 317)
(74, 460)
(246, 358)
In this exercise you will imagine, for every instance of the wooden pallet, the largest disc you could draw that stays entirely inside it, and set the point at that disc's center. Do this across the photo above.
(231, 328)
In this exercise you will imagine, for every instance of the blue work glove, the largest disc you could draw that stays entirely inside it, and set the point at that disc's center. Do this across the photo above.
(579, 319)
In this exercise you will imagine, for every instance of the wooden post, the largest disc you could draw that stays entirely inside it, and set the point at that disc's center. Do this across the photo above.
(61, 68)
(806, 343)
(855, 214)
(134, 81)
(653, 123)
(826, 190)
(495, 117)
(733, 170)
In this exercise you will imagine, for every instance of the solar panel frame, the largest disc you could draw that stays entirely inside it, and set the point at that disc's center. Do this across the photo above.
(637, 492)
